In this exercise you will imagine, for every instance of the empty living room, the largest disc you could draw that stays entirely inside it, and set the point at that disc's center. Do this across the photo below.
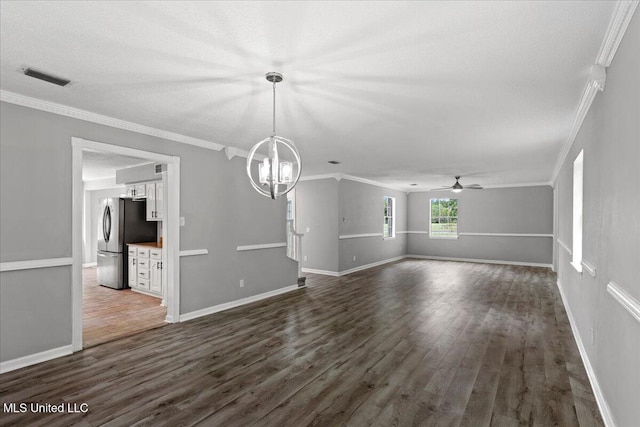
(326, 213)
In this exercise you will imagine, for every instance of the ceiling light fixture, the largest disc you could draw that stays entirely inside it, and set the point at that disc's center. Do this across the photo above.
(275, 176)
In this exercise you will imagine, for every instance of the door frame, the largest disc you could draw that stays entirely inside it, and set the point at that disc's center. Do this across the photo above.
(170, 229)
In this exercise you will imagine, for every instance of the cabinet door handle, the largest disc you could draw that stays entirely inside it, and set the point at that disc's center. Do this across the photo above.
(134, 261)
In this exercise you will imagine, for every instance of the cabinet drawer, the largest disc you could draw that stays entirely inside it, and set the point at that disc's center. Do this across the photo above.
(143, 252)
(143, 283)
(143, 273)
(133, 251)
(143, 263)
(155, 254)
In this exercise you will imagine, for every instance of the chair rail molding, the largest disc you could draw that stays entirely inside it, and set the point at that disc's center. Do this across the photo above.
(564, 246)
(358, 236)
(261, 246)
(35, 263)
(625, 299)
(589, 268)
(193, 252)
(507, 234)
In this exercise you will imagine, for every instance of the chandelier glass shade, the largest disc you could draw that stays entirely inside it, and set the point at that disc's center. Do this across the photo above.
(279, 166)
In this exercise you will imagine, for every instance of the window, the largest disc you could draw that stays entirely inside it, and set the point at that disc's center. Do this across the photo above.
(389, 228)
(577, 212)
(443, 221)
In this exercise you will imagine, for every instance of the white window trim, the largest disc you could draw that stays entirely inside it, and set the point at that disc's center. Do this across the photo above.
(578, 211)
(436, 236)
(393, 218)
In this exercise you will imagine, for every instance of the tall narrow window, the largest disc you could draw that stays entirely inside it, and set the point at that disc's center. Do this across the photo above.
(578, 172)
(443, 219)
(389, 227)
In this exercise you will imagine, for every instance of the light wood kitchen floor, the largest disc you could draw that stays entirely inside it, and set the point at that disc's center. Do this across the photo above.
(108, 314)
(415, 342)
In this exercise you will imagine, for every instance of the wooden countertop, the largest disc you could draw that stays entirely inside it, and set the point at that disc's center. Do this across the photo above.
(146, 245)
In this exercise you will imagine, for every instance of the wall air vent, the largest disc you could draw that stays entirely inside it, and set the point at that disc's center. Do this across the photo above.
(159, 168)
(46, 77)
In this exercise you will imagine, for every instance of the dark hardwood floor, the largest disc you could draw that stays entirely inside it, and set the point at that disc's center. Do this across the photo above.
(109, 314)
(415, 342)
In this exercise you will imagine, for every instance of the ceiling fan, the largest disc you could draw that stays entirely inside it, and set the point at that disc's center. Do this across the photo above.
(457, 187)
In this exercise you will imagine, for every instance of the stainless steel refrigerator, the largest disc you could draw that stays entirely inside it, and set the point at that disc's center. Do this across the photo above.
(121, 221)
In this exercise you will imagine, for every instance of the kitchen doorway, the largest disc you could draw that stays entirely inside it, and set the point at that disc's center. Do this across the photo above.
(109, 313)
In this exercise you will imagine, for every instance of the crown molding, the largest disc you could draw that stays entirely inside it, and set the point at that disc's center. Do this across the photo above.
(370, 182)
(591, 89)
(490, 187)
(615, 31)
(618, 24)
(335, 176)
(64, 110)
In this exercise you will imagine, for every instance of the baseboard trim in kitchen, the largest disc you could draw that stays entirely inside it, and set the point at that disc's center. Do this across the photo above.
(32, 359)
(236, 303)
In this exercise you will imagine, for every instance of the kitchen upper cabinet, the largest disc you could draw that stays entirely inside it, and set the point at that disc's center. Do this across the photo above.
(136, 190)
(155, 202)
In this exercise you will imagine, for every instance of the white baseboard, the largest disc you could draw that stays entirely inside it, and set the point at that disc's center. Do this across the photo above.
(373, 264)
(236, 303)
(323, 272)
(89, 264)
(352, 270)
(602, 403)
(483, 261)
(32, 359)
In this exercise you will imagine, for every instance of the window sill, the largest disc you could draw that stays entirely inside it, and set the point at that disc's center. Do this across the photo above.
(577, 266)
(443, 237)
(389, 238)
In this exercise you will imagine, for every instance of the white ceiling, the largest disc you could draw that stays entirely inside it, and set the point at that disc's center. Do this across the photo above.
(98, 165)
(399, 92)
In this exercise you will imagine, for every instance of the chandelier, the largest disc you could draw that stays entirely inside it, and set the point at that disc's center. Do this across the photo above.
(279, 170)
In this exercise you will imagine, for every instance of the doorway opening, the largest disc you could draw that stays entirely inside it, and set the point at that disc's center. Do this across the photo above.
(125, 242)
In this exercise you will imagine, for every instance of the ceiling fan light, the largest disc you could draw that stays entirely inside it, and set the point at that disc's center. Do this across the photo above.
(457, 190)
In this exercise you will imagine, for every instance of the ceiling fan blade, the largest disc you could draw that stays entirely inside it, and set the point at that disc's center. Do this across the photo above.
(441, 189)
(473, 185)
(472, 188)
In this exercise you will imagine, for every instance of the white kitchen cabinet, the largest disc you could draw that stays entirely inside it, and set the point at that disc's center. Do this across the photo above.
(133, 270)
(136, 190)
(145, 268)
(155, 281)
(155, 202)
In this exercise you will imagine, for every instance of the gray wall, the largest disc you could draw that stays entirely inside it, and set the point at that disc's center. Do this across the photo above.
(331, 208)
(317, 210)
(361, 211)
(610, 137)
(521, 210)
(221, 210)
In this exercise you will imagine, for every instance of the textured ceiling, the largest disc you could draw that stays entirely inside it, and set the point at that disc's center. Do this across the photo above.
(399, 92)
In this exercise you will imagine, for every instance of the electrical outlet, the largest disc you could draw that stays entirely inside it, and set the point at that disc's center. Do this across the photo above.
(354, 257)
(305, 258)
(242, 283)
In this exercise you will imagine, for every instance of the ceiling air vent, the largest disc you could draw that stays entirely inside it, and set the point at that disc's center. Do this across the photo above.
(46, 77)
(333, 162)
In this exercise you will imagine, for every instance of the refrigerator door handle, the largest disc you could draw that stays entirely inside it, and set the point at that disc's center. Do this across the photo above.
(106, 223)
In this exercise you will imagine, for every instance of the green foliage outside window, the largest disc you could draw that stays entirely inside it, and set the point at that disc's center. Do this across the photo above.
(444, 218)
